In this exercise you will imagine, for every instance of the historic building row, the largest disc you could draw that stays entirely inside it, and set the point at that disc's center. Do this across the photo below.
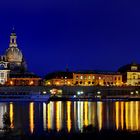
(14, 72)
(128, 75)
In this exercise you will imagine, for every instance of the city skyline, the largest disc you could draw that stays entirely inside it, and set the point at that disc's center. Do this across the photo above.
(83, 35)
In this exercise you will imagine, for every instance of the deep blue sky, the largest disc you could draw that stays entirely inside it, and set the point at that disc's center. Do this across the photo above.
(85, 34)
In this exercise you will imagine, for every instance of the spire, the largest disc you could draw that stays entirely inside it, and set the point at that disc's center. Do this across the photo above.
(13, 37)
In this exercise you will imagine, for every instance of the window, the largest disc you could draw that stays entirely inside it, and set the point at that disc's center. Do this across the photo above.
(81, 77)
(134, 67)
(92, 82)
(93, 77)
(2, 75)
(89, 77)
(2, 81)
(134, 77)
(76, 83)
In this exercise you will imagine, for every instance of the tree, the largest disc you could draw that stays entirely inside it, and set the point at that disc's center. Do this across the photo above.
(6, 122)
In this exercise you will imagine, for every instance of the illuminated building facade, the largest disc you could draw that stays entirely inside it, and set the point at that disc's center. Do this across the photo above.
(84, 78)
(93, 78)
(131, 74)
(23, 79)
(59, 79)
(4, 72)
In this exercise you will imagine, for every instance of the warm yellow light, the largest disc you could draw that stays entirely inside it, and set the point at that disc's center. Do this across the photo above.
(11, 82)
(131, 115)
(31, 82)
(86, 113)
(48, 83)
(117, 114)
(57, 83)
(50, 115)
(126, 115)
(11, 115)
(69, 116)
(100, 115)
(68, 82)
(31, 116)
(137, 115)
(122, 115)
(58, 116)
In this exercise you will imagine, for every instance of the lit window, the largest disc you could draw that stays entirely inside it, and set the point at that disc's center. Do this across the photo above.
(57, 83)
(93, 77)
(81, 77)
(99, 78)
(2, 74)
(89, 77)
(134, 67)
(85, 77)
(48, 83)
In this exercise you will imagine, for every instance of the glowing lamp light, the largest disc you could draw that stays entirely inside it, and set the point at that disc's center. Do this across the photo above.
(57, 83)
(137, 92)
(11, 82)
(48, 83)
(80, 92)
(44, 92)
(54, 91)
(31, 82)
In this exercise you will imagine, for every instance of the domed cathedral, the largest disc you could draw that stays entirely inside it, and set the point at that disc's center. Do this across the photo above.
(13, 67)
(14, 55)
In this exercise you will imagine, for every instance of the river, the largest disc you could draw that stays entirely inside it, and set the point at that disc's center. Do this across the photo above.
(34, 117)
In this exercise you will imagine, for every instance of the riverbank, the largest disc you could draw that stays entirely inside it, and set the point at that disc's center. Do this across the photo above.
(70, 89)
(93, 98)
(75, 93)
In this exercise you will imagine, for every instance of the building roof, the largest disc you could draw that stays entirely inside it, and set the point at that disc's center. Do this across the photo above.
(23, 75)
(128, 68)
(59, 75)
(97, 72)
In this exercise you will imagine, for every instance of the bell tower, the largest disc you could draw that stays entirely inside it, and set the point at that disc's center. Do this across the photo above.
(13, 39)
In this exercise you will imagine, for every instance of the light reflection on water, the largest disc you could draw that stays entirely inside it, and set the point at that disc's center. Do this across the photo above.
(72, 116)
(31, 116)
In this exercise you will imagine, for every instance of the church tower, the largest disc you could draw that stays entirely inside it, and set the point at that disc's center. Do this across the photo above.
(13, 39)
(13, 54)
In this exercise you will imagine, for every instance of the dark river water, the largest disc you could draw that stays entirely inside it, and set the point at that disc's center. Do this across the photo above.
(33, 117)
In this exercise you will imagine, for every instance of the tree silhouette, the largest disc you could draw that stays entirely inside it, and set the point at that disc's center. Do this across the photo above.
(6, 122)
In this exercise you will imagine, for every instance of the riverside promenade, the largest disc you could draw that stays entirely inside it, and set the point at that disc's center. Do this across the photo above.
(74, 90)
(69, 89)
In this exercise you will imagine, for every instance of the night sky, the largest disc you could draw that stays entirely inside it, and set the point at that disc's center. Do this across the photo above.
(83, 34)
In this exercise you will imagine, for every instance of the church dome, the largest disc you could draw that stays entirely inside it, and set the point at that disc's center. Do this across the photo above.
(13, 54)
